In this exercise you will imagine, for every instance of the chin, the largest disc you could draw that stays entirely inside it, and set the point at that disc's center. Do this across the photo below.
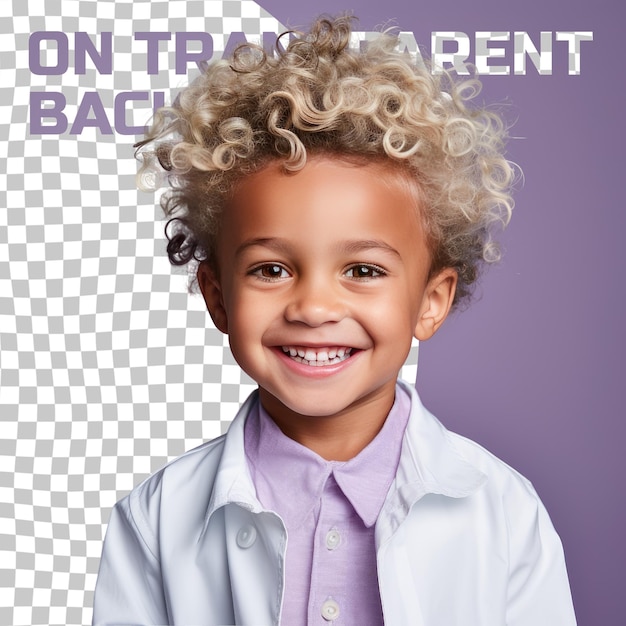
(315, 408)
(321, 402)
(305, 402)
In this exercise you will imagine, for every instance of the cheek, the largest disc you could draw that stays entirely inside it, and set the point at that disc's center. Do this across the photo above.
(390, 325)
(252, 310)
(249, 319)
(245, 344)
(395, 309)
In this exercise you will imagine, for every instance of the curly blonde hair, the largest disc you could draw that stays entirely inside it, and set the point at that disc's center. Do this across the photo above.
(318, 96)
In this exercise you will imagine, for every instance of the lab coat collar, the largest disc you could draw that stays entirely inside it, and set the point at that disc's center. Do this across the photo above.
(233, 482)
(430, 457)
(429, 464)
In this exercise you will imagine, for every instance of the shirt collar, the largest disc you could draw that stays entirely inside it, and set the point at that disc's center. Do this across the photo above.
(276, 460)
(429, 463)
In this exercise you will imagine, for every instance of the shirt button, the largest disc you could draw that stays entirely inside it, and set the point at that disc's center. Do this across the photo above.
(246, 536)
(333, 539)
(330, 610)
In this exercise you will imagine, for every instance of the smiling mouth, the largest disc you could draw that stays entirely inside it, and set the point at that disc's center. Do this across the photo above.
(317, 357)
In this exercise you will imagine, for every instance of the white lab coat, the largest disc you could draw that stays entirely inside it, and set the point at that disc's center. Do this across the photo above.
(462, 540)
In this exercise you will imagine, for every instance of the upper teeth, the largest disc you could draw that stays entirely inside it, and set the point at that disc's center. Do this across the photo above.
(312, 354)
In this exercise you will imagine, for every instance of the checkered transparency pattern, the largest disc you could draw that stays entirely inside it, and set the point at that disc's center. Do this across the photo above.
(108, 367)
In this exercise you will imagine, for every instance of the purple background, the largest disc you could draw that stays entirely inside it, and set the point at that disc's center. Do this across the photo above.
(534, 369)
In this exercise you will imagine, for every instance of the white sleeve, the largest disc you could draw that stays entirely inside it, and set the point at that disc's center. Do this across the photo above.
(129, 589)
(538, 591)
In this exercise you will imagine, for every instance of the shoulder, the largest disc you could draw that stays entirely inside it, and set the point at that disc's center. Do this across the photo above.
(469, 511)
(453, 465)
(181, 497)
(471, 485)
(537, 588)
(182, 487)
(508, 500)
(505, 491)
(181, 473)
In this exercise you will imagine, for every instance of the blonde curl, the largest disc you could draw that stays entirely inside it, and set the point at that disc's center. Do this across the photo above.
(319, 96)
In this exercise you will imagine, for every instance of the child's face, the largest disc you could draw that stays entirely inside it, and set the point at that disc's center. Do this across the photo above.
(323, 281)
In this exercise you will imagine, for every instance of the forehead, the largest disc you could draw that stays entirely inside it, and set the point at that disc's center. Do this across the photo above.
(350, 199)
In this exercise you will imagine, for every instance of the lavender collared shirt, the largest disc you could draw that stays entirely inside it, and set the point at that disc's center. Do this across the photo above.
(329, 509)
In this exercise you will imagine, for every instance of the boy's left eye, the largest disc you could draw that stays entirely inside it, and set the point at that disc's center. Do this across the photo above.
(365, 271)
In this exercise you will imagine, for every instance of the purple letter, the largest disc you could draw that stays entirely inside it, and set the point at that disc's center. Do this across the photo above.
(38, 112)
(91, 101)
(234, 39)
(120, 111)
(34, 53)
(153, 48)
(183, 56)
(158, 100)
(102, 60)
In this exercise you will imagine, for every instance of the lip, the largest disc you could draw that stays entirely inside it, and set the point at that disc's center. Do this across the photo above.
(318, 371)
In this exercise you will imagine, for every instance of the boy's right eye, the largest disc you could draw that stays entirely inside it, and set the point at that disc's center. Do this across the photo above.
(270, 271)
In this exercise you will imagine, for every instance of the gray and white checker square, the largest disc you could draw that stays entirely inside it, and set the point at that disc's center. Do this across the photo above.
(109, 368)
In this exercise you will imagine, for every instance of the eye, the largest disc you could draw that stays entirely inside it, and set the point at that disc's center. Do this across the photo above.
(270, 271)
(363, 271)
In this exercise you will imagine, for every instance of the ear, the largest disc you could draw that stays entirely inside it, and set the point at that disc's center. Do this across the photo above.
(212, 292)
(436, 303)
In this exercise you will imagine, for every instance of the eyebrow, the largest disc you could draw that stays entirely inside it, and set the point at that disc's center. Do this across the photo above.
(274, 243)
(351, 246)
(361, 245)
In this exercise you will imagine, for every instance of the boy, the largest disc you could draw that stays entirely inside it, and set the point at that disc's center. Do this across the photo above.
(338, 204)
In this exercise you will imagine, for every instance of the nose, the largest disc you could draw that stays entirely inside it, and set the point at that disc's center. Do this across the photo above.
(315, 302)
